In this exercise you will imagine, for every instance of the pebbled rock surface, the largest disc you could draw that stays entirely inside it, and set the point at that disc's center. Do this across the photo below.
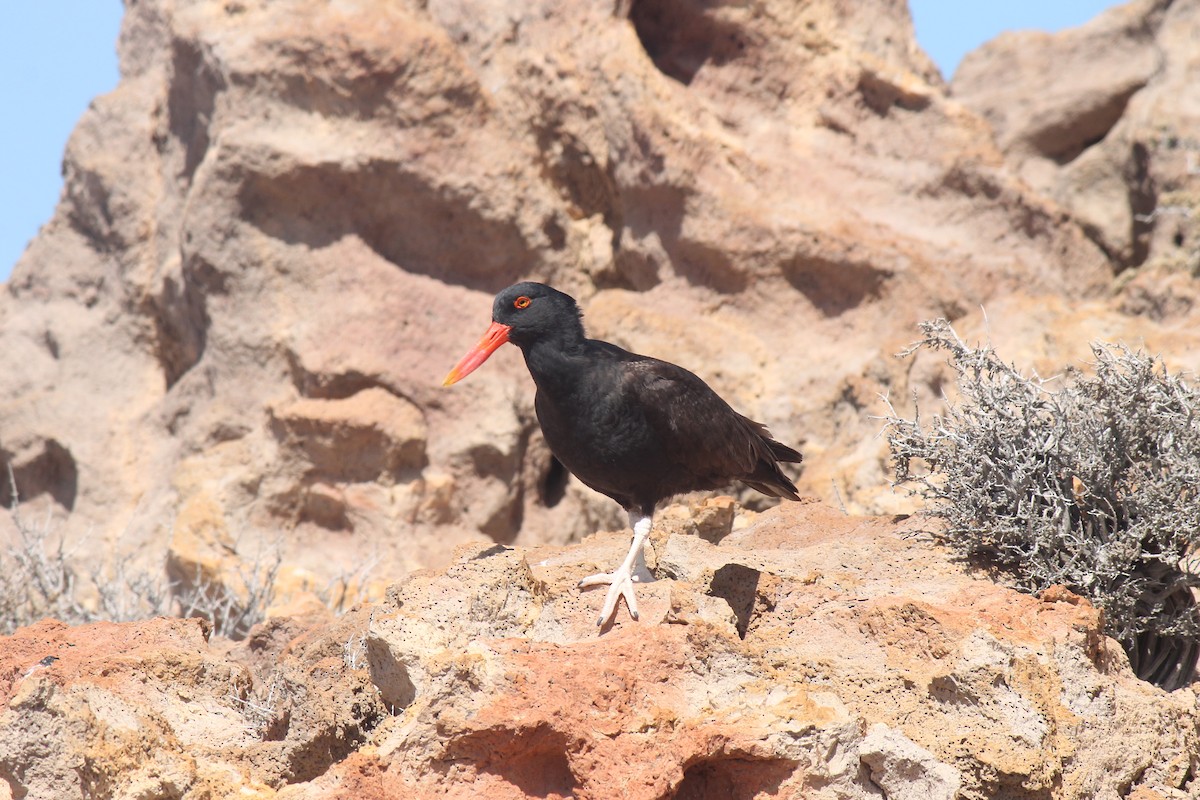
(806, 653)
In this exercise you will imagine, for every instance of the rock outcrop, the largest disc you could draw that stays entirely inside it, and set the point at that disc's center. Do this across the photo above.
(285, 224)
(1111, 136)
(805, 654)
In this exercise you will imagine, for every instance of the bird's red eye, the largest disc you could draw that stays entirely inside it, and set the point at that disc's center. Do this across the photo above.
(521, 302)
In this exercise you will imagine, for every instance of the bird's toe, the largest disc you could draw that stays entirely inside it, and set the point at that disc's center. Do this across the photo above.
(601, 579)
(609, 610)
(620, 584)
(630, 599)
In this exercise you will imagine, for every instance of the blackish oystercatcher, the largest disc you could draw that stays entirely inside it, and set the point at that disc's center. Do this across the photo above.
(632, 427)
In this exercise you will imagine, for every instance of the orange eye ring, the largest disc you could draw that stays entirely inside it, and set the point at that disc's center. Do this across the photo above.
(522, 302)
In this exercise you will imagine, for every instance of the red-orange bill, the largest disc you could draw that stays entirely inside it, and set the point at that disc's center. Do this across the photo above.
(495, 336)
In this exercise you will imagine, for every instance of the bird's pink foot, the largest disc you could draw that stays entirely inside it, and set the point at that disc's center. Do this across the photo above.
(621, 580)
(620, 584)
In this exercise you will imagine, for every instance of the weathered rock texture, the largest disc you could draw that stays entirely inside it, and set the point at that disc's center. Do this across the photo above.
(806, 654)
(1104, 119)
(286, 222)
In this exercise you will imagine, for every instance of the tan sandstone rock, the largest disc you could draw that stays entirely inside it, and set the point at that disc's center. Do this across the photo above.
(1102, 118)
(286, 222)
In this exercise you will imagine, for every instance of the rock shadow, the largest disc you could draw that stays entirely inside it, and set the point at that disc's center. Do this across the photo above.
(423, 228)
(732, 777)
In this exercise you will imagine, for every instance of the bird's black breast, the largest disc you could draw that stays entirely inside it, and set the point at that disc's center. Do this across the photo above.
(594, 425)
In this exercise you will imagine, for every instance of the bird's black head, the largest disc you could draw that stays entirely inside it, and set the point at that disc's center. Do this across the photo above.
(534, 311)
(523, 314)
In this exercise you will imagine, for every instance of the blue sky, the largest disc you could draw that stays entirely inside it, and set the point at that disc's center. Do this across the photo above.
(56, 55)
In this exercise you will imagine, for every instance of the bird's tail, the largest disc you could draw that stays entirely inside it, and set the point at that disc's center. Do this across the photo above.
(776, 485)
(784, 453)
(767, 477)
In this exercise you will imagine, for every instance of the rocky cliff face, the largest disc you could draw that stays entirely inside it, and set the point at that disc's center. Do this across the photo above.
(286, 223)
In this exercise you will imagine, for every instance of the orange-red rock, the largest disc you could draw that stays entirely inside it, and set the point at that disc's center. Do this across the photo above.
(808, 654)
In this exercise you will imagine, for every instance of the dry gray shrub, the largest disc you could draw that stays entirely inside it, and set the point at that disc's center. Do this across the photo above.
(239, 601)
(1089, 482)
(42, 576)
(267, 707)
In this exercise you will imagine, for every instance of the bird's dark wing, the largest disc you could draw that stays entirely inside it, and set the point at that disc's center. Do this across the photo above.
(701, 431)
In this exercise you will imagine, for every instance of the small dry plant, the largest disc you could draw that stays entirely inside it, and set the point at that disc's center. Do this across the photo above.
(267, 707)
(236, 604)
(1089, 482)
(42, 575)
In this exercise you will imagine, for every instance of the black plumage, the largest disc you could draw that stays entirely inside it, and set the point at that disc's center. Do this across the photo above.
(635, 428)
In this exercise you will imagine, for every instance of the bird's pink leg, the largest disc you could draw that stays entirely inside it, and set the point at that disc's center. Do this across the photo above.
(632, 570)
